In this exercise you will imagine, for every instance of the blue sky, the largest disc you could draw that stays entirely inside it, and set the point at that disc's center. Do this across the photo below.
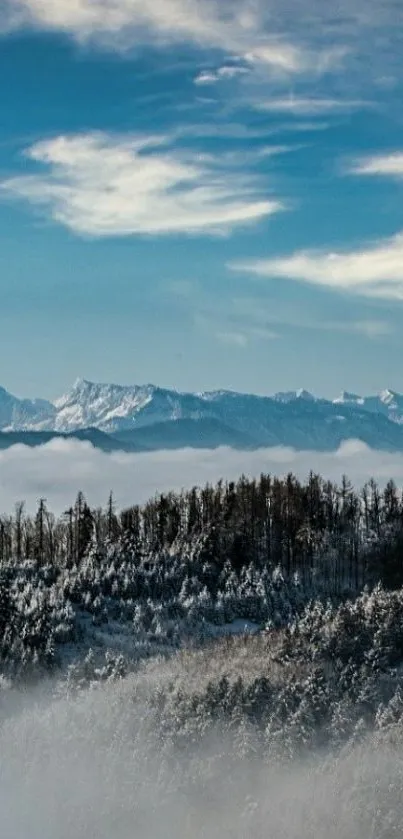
(201, 194)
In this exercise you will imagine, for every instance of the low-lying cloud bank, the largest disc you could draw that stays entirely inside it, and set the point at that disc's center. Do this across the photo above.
(59, 469)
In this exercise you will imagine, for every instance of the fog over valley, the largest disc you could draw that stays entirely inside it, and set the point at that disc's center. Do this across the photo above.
(57, 470)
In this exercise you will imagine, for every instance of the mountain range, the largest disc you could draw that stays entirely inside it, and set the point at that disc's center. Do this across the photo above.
(148, 418)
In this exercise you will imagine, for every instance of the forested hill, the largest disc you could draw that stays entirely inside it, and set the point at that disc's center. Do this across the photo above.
(295, 588)
(188, 564)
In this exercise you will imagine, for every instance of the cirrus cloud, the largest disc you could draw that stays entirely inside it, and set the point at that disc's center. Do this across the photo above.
(309, 106)
(374, 271)
(104, 185)
(297, 38)
(227, 72)
(387, 165)
(235, 28)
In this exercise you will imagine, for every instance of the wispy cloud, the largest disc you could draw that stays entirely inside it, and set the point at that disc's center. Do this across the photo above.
(173, 19)
(227, 72)
(387, 165)
(237, 131)
(306, 107)
(235, 27)
(249, 156)
(374, 271)
(104, 185)
(298, 38)
(307, 127)
(227, 328)
(243, 320)
(224, 130)
(257, 312)
(206, 77)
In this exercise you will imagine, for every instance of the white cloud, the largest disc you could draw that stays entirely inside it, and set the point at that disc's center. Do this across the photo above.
(305, 107)
(388, 165)
(206, 77)
(33, 473)
(227, 72)
(230, 26)
(296, 38)
(101, 185)
(231, 71)
(285, 57)
(83, 18)
(375, 271)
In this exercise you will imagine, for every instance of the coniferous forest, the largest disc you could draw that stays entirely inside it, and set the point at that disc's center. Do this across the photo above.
(189, 567)
(269, 611)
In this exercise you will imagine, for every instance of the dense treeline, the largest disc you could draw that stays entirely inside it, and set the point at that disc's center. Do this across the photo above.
(313, 528)
(186, 565)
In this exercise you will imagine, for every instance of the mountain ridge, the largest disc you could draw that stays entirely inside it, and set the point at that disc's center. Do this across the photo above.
(126, 415)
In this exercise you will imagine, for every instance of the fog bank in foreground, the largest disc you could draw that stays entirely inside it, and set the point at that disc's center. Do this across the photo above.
(94, 766)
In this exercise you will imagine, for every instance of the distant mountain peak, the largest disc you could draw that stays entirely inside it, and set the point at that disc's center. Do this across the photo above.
(79, 383)
(292, 395)
(347, 396)
(388, 396)
(305, 394)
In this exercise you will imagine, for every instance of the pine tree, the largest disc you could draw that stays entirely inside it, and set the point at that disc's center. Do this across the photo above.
(40, 532)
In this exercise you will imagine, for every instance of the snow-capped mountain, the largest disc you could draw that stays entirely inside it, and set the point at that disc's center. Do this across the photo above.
(100, 405)
(148, 416)
(17, 414)
(388, 402)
